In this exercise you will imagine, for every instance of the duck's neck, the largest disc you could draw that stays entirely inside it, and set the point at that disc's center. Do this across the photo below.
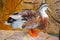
(43, 13)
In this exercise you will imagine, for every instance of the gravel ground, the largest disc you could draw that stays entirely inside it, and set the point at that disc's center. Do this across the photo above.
(21, 35)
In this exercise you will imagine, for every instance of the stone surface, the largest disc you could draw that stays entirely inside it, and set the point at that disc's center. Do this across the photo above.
(21, 35)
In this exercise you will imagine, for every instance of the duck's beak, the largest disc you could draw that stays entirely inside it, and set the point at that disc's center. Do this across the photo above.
(49, 10)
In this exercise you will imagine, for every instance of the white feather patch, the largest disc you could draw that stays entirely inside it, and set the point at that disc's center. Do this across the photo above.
(43, 9)
(16, 16)
(7, 23)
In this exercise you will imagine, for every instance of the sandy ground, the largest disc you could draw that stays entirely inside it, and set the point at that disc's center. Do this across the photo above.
(21, 35)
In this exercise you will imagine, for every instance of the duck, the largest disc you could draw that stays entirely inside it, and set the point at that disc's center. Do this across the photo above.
(42, 20)
(28, 17)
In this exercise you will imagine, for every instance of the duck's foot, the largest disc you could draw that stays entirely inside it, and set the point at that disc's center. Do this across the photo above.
(33, 32)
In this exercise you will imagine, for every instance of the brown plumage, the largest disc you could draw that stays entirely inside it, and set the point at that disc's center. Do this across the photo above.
(34, 17)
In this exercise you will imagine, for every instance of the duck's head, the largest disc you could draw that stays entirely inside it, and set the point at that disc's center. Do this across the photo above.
(43, 7)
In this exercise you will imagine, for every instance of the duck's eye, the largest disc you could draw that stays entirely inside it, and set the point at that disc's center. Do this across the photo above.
(24, 19)
(10, 20)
